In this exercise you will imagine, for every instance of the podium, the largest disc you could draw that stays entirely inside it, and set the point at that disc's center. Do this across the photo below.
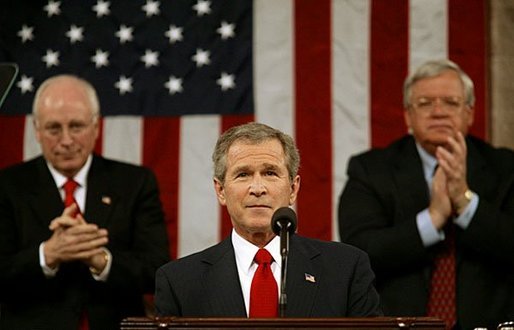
(163, 323)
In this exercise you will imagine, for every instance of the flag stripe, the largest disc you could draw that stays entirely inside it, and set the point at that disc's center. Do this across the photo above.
(11, 142)
(350, 86)
(313, 115)
(467, 46)
(389, 44)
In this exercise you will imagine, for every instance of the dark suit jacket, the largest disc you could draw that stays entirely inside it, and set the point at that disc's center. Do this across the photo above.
(29, 200)
(206, 284)
(377, 210)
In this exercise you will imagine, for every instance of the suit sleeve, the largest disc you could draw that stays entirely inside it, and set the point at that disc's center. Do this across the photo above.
(165, 302)
(370, 218)
(363, 298)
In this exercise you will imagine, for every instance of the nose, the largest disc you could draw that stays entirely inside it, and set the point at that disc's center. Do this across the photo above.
(66, 137)
(257, 186)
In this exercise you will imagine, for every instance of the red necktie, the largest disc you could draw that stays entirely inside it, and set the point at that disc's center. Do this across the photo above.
(69, 189)
(442, 301)
(69, 198)
(264, 290)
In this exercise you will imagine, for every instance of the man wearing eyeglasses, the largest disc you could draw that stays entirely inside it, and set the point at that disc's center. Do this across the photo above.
(81, 236)
(435, 209)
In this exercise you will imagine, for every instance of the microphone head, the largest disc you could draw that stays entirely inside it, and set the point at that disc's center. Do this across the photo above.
(284, 217)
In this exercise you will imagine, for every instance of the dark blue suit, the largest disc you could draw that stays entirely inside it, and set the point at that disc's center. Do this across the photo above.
(377, 213)
(122, 198)
(206, 284)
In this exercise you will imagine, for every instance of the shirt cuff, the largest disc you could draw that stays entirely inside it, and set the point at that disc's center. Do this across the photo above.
(464, 219)
(428, 233)
(102, 277)
(49, 272)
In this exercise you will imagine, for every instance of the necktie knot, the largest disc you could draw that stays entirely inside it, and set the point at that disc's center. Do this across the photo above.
(69, 187)
(263, 257)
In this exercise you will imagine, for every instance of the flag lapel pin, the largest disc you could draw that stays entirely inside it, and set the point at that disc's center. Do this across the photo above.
(310, 278)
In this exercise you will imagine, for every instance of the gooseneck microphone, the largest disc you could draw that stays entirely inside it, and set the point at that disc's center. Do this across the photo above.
(283, 224)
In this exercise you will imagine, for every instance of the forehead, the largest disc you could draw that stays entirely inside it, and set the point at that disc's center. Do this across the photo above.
(447, 83)
(243, 152)
(64, 99)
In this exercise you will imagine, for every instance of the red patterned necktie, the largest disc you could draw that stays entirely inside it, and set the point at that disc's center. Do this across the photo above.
(442, 301)
(264, 290)
(69, 198)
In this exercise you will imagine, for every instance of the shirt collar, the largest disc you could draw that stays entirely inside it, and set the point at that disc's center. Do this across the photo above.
(245, 251)
(80, 178)
(428, 161)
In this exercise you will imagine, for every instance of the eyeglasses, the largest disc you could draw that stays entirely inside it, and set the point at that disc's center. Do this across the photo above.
(55, 130)
(450, 104)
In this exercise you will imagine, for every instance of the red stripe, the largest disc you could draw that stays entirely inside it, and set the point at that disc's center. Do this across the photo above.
(161, 140)
(99, 146)
(11, 140)
(226, 123)
(389, 66)
(468, 48)
(313, 115)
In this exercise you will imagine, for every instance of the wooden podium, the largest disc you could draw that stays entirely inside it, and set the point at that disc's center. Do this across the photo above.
(141, 323)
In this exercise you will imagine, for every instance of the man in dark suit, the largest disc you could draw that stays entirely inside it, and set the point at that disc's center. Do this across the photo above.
(402, 203)
(255, 173)
(90, 264)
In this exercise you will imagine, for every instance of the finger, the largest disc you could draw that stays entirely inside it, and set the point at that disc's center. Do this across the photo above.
(62, 222)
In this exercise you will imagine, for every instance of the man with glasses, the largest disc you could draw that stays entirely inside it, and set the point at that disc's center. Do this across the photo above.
(435, 209)
(81, 236)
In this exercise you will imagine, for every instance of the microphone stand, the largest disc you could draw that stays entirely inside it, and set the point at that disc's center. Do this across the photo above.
(284, 252)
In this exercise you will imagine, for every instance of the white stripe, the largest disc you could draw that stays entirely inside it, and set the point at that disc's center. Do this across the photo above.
(273, 63)
(122, 138)
(350, 89)
(428, 31)
(31, 147)
(198, 212)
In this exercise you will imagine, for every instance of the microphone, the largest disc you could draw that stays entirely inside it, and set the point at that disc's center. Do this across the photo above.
(284, 219)
(283, 223)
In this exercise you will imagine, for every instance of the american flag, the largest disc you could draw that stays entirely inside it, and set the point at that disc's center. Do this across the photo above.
(173, 74)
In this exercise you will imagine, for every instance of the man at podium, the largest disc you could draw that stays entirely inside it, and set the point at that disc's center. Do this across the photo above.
(256, 173)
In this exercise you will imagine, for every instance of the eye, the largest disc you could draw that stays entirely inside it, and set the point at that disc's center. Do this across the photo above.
(53, 129)
(271, 173)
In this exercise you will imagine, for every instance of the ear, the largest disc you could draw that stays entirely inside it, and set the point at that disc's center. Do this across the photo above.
(295, 187)
(220, 192)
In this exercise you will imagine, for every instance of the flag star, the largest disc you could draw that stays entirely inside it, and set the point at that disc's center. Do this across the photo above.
(150, 58)
(226, 30)
(25, 84)
(174, 85)
(102, 8)
(174, 34)
(51, 58)
(52, 8)
(201, 57)
(75, 34)
(226, 81)
(202, 7)
(125, 33)
(124, 85)
(26, 33)
(151, 8)
(101, 58)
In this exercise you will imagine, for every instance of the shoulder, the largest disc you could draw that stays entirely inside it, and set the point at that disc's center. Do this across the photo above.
(201, 259)
(26, 171)
(377, 156)
(312, 247)
(502, 157)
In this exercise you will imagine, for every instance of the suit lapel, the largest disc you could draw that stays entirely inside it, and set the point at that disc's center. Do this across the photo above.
(303, 276)
(221, 281)
(45, 199)
(101, 195)
(412, 189)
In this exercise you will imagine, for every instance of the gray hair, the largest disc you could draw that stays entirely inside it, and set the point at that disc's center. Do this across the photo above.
(254, 133)
(434, 68)
(89, 89)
